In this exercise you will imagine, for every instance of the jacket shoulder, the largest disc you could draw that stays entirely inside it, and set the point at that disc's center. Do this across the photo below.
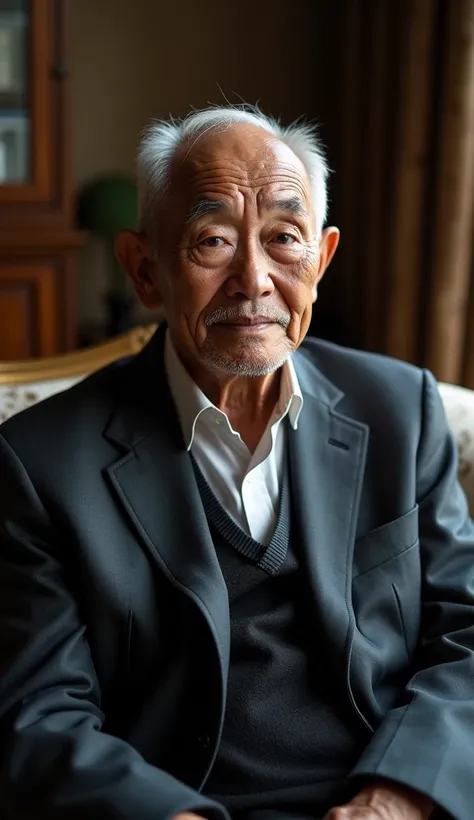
(349, 368)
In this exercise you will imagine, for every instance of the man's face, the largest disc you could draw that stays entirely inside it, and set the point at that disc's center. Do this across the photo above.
(237, 260)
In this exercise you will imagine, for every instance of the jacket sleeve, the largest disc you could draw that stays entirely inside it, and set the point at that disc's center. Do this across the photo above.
(55, 760)
(427, 742)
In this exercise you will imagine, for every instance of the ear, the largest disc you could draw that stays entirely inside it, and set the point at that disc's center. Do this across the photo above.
(327, 248)
(134, 253)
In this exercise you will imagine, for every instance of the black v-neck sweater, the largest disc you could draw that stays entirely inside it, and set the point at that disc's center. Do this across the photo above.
(287, 744)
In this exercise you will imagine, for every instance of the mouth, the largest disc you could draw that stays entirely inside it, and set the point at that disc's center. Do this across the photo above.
(247, 324)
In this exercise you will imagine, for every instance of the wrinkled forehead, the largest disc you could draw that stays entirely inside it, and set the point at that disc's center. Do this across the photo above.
(241, 158)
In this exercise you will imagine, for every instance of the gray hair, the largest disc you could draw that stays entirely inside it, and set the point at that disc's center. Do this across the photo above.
(162, 139)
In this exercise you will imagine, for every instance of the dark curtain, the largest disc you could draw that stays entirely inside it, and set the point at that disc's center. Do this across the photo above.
(400, 124)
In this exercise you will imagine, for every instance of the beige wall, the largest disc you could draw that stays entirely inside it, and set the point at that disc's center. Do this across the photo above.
(133, 60)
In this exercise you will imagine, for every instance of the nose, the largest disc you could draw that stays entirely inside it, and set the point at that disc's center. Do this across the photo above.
(250, 277)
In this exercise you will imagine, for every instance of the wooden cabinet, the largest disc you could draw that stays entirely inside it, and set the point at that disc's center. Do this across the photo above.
(38, 242)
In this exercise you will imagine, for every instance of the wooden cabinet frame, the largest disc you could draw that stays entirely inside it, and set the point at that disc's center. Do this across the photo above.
(36, 218)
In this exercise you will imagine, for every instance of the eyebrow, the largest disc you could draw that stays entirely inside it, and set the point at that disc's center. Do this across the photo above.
(293, 204)
(203, 207)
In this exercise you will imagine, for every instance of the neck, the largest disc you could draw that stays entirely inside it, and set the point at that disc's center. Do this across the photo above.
(247, 402)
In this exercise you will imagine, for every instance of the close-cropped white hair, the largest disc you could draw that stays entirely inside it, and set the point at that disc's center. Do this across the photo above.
(162, 139)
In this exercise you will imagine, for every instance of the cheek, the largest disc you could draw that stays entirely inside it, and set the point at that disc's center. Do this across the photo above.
(191, 289)
(200, 288)
(297, 287)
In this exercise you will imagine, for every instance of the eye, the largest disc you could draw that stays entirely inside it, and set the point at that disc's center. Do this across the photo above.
(284, 239)
(213, 242)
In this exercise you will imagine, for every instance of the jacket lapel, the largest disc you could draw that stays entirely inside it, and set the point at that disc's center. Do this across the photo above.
(327, 460)
(154, 481)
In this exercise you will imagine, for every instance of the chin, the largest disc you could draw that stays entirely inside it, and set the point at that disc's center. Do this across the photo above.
(246, 365)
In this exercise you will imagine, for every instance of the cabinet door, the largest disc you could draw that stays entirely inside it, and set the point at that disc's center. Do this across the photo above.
(32, 111)
(28, 309)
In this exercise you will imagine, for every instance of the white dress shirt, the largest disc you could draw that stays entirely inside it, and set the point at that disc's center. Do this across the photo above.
(247, 485)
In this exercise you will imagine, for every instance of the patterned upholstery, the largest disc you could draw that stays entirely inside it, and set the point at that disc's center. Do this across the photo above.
(26, 382)
(458, 403)
(459, 406)
(16, 397)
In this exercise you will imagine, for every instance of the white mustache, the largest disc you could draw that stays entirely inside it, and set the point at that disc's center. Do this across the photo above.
(236, 312)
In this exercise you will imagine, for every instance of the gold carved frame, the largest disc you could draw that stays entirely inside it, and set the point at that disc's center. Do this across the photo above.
(78, 363)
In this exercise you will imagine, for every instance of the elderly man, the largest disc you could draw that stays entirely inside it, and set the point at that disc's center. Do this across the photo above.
(237, 571)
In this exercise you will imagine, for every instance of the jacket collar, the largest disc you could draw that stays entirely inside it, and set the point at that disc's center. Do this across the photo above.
(147, 398)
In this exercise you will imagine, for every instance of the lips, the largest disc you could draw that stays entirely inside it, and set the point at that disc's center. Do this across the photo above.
(248, 321)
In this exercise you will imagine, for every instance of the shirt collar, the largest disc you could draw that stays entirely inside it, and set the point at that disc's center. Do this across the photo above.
(191, 402)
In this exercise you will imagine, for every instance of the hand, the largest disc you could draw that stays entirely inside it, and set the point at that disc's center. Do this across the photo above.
(188, 815)
(383, 801)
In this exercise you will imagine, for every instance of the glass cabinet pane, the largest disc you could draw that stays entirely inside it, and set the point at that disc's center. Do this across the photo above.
(14, 92)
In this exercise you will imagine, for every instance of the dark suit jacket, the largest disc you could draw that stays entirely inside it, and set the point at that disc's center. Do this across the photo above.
(114, 621)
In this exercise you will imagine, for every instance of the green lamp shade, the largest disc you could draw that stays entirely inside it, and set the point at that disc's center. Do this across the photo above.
(108, 205)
